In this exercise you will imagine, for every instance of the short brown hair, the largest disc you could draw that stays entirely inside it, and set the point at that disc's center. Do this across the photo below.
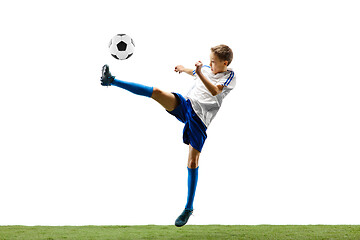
(223, 52)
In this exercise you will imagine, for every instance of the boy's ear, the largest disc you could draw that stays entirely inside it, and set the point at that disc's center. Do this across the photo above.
(226, 63)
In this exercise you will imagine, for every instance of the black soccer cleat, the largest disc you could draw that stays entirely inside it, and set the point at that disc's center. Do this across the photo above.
(106, 77)
(183, 218)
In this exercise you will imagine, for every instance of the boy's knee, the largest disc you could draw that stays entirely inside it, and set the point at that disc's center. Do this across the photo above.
(166, 99)
(156, 92)
(193, 160)
(193, 163)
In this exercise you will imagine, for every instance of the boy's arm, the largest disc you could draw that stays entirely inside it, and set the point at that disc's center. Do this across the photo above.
(181, 68)
(213, 89)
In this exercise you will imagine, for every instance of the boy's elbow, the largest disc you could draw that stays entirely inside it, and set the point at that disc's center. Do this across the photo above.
(215, 92)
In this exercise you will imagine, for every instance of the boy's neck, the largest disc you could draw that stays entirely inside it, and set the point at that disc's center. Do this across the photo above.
(224, 70)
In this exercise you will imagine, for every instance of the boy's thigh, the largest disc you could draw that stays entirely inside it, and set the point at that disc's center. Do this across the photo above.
(180, 111)
(166, 99)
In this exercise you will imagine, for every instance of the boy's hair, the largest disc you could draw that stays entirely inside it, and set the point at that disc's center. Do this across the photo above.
(223, 52)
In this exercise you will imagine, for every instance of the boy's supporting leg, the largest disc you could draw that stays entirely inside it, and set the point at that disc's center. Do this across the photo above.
(192, 182)
(193, 159)
(193, 168)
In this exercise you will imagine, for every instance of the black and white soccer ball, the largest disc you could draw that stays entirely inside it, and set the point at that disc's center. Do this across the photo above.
(121, 46)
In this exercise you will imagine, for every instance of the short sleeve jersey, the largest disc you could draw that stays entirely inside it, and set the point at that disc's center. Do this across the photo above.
(203, 102)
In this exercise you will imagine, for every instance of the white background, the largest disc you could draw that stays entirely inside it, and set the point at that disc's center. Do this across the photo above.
(284, 148)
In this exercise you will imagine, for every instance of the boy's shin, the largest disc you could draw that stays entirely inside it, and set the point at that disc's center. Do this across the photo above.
(135, 88)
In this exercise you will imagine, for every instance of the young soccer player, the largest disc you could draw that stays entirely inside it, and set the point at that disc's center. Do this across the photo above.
(196, 110)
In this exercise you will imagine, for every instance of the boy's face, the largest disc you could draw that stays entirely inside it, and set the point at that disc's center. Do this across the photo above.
(217, 66)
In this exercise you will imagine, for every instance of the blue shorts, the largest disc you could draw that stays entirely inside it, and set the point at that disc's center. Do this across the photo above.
(194, 132)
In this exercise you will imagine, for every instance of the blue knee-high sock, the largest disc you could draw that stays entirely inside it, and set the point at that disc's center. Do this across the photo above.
(192, 182)
(134, 87)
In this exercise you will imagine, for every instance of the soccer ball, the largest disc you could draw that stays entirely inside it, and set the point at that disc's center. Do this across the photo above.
(121, 46)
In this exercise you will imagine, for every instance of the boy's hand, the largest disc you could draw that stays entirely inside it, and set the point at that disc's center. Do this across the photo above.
(198, 66)
(179, 68)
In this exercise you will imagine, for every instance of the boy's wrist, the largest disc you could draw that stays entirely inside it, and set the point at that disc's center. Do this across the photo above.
(188, 71)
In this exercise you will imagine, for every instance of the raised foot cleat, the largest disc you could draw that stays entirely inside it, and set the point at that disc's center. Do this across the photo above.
(106, 77)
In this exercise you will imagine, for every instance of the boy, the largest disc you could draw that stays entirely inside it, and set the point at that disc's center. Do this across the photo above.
(196, 110)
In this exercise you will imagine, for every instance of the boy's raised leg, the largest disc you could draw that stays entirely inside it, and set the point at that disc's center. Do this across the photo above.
(166, 99)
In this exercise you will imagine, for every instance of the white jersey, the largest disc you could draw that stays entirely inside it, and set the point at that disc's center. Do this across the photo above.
(203, 102)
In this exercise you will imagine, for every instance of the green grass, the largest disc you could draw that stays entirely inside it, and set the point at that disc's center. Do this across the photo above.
(188, 232)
